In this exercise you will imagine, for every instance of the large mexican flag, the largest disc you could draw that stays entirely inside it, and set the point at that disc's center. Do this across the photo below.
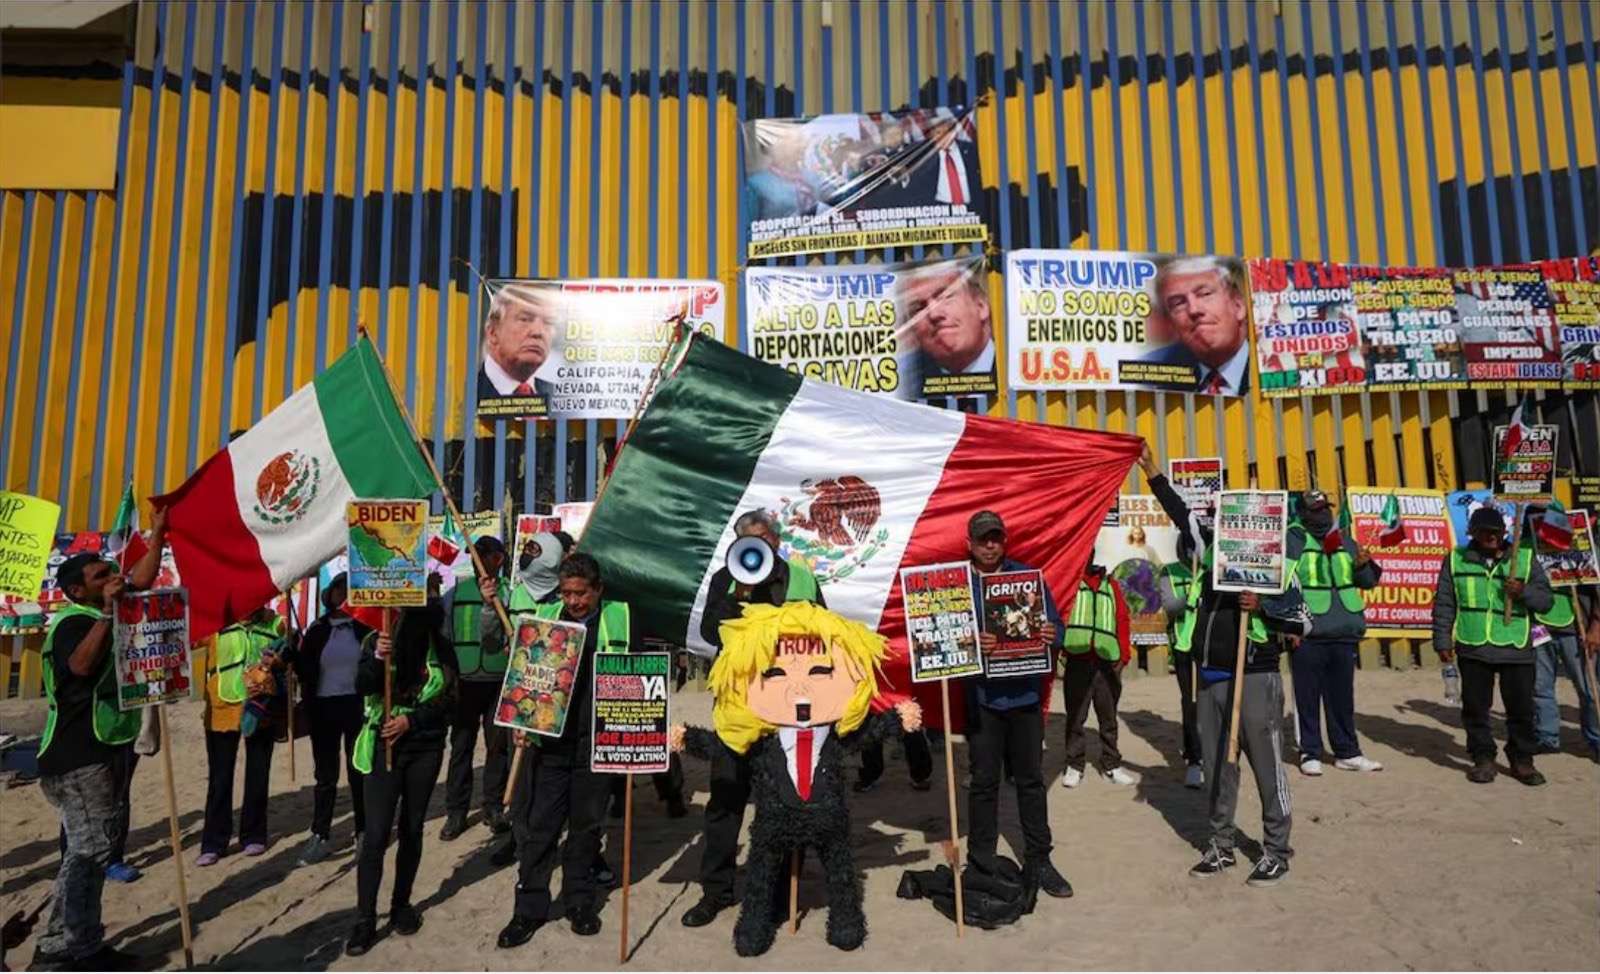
(270, 508)
(861, 485)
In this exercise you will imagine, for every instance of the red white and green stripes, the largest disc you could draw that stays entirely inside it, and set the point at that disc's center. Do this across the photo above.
(270, 508)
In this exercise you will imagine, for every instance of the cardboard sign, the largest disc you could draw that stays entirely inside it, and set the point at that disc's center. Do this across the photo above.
(1528, 475)
(1576, 565)
(150, 641)
(1133, 549)
(537, 691)
(1013, 610)
(1197, 480)
(388, 552)
(27, 526)
(1250, 554)
(631, 713)
(941, 621)
(574, 516)
(1401, 604)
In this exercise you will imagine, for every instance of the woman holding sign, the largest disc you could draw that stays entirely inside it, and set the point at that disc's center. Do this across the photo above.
(400, 758)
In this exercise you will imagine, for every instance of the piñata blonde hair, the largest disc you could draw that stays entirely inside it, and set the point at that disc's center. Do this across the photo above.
(749, 646)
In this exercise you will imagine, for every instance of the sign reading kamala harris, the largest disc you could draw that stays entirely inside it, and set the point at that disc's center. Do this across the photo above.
(862, 181)
(1115, 320)
(584, 349)
(906, 330)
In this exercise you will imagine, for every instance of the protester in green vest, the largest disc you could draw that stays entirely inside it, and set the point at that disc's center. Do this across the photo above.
(1096, 644)
(791, 581)
(83, 753)
(258, 640)
(1563, 647)
(1471, 624)
(565, 793)
(1332, 570)
(480, 646)
(423, 696)
(1173, 584)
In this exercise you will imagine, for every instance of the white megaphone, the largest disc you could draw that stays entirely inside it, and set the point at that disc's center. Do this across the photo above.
(751, 560)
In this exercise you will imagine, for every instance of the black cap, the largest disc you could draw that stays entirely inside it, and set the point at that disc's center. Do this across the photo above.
(489, 545)
(1313, 499)
(984, 523)
(1486, 518)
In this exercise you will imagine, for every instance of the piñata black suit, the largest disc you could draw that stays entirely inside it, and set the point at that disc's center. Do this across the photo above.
(784, 823)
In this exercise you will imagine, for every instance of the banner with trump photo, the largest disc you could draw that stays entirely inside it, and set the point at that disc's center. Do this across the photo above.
(583, 349)
(862, 181)
(909, 331)
(1115, 320)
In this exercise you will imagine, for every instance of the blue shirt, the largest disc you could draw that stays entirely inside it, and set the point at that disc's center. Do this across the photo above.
(1012, 692)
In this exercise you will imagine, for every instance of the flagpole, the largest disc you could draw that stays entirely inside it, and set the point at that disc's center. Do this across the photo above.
(954, 854)
(1516, 539)
(176, 839)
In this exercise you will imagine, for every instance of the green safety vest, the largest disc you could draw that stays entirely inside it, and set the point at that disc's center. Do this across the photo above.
(802, 582)
(367, 740)
(613, 630)
(1321, 574)
(236, 649)
(111, 725)
(1560, 614)
(1182, 579)
(1093, 623)
(1257, 629)
(1480, 601)
(466, 612)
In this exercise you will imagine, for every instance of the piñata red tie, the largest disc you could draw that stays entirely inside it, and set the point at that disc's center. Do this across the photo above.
(802, 764)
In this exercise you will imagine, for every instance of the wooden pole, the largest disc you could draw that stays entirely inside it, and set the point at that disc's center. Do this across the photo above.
(1511, 571)
(289, 713)
(388, 685)
(177, 841)
(1238, 687)
(794, 891)
(950, 791)
(627, 861)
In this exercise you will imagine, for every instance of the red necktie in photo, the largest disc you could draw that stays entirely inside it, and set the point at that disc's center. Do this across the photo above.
(1213, 385)
(802, 764)
(523, 389)
(953, 177)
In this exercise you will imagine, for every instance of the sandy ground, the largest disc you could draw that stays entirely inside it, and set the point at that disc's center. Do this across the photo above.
(1412, 867)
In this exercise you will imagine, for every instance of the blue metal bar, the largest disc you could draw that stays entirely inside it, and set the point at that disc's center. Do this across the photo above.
(1569, 123)
(358, 220)
(561, 425)
(1114, 93)
(1397, 105)
(742, 109)
(1346, 165)
(1231, 125)
(1309, 58)
(447, 212)
(597, 94)
(1174, 135)
(1491, 190)
(1141, 50)
(1419, 44)
(1448, 45)
(298, 208)
(1263, 211)
(1519, 199)
(470, 432)
(330, 184)
(1198, 53)
(204, 316)
(391, 114)
(419, 197)
(20, 303)
(75, 366)
(1086, 94)
(47, 341)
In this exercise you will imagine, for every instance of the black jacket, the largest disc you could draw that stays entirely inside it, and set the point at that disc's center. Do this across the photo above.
(418, 630)
(722, 606)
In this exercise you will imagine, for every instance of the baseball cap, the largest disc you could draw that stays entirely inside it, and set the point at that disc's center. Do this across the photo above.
(984, 523)
(1312, 499)
(1486, 518)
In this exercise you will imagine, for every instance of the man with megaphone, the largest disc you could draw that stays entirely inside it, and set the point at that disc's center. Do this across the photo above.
(754, 573)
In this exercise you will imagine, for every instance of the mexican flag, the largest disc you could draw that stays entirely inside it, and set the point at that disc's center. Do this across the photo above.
(270, 508)
(860, 486)
(1393, 530)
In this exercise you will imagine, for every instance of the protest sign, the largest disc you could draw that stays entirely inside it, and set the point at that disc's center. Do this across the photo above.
(537, 690)
(1308, 339)
(1574, 287)
(1586, 491)
(1013, 612)
(1197, 480)
(1401, 604)
(862, 181)
(150, 641)
(584, 349)
(388, 552)
(941, 621)
(1249, 548)
(1463, 502)
(529, 525)
(1508, 327)
(1409, 328)
(631, 713)
(1575, 565)
(1133, 545)
(27, 525)
(905, 330)
(1529, 473)
(447, 553)
(574, 516)
(1113, 320)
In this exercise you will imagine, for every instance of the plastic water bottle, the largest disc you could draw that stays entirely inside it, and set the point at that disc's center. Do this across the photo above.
(1452, 683)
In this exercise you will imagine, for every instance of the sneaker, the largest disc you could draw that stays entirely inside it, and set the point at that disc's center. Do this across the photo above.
(1214, 862)
(314, 851)
(121, 872)
(1050, 881)
(405, 920)
(1481, 773)
(1194, 776)
(1268, 872)
(1120, 776)
(1311, 768)
(207, 859)
(454, 824)
(1071, 777)
(255, 849)
(1358, 763)
(705, 911)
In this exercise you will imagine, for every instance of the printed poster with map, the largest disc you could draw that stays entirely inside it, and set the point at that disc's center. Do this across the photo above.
(388, 552)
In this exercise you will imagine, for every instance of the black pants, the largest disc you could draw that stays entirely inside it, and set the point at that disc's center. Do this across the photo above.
(919, 758)
(222, 753)
(475, 709)
(1092, 680)
(335, 723)
(403, 791)
(1183, 664)
(1325, 681)
(730, 792)
(565, 794)
(1516, 695)
(668, 784)
(996, 739)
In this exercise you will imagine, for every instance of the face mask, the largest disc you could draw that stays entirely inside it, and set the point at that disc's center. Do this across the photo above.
(524, 561)
(1319, 521)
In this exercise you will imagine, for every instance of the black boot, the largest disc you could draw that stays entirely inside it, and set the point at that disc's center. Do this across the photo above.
(361, 937)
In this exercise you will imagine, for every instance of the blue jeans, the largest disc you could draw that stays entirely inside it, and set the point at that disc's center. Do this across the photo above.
(1563, 651)
(1325, 680)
